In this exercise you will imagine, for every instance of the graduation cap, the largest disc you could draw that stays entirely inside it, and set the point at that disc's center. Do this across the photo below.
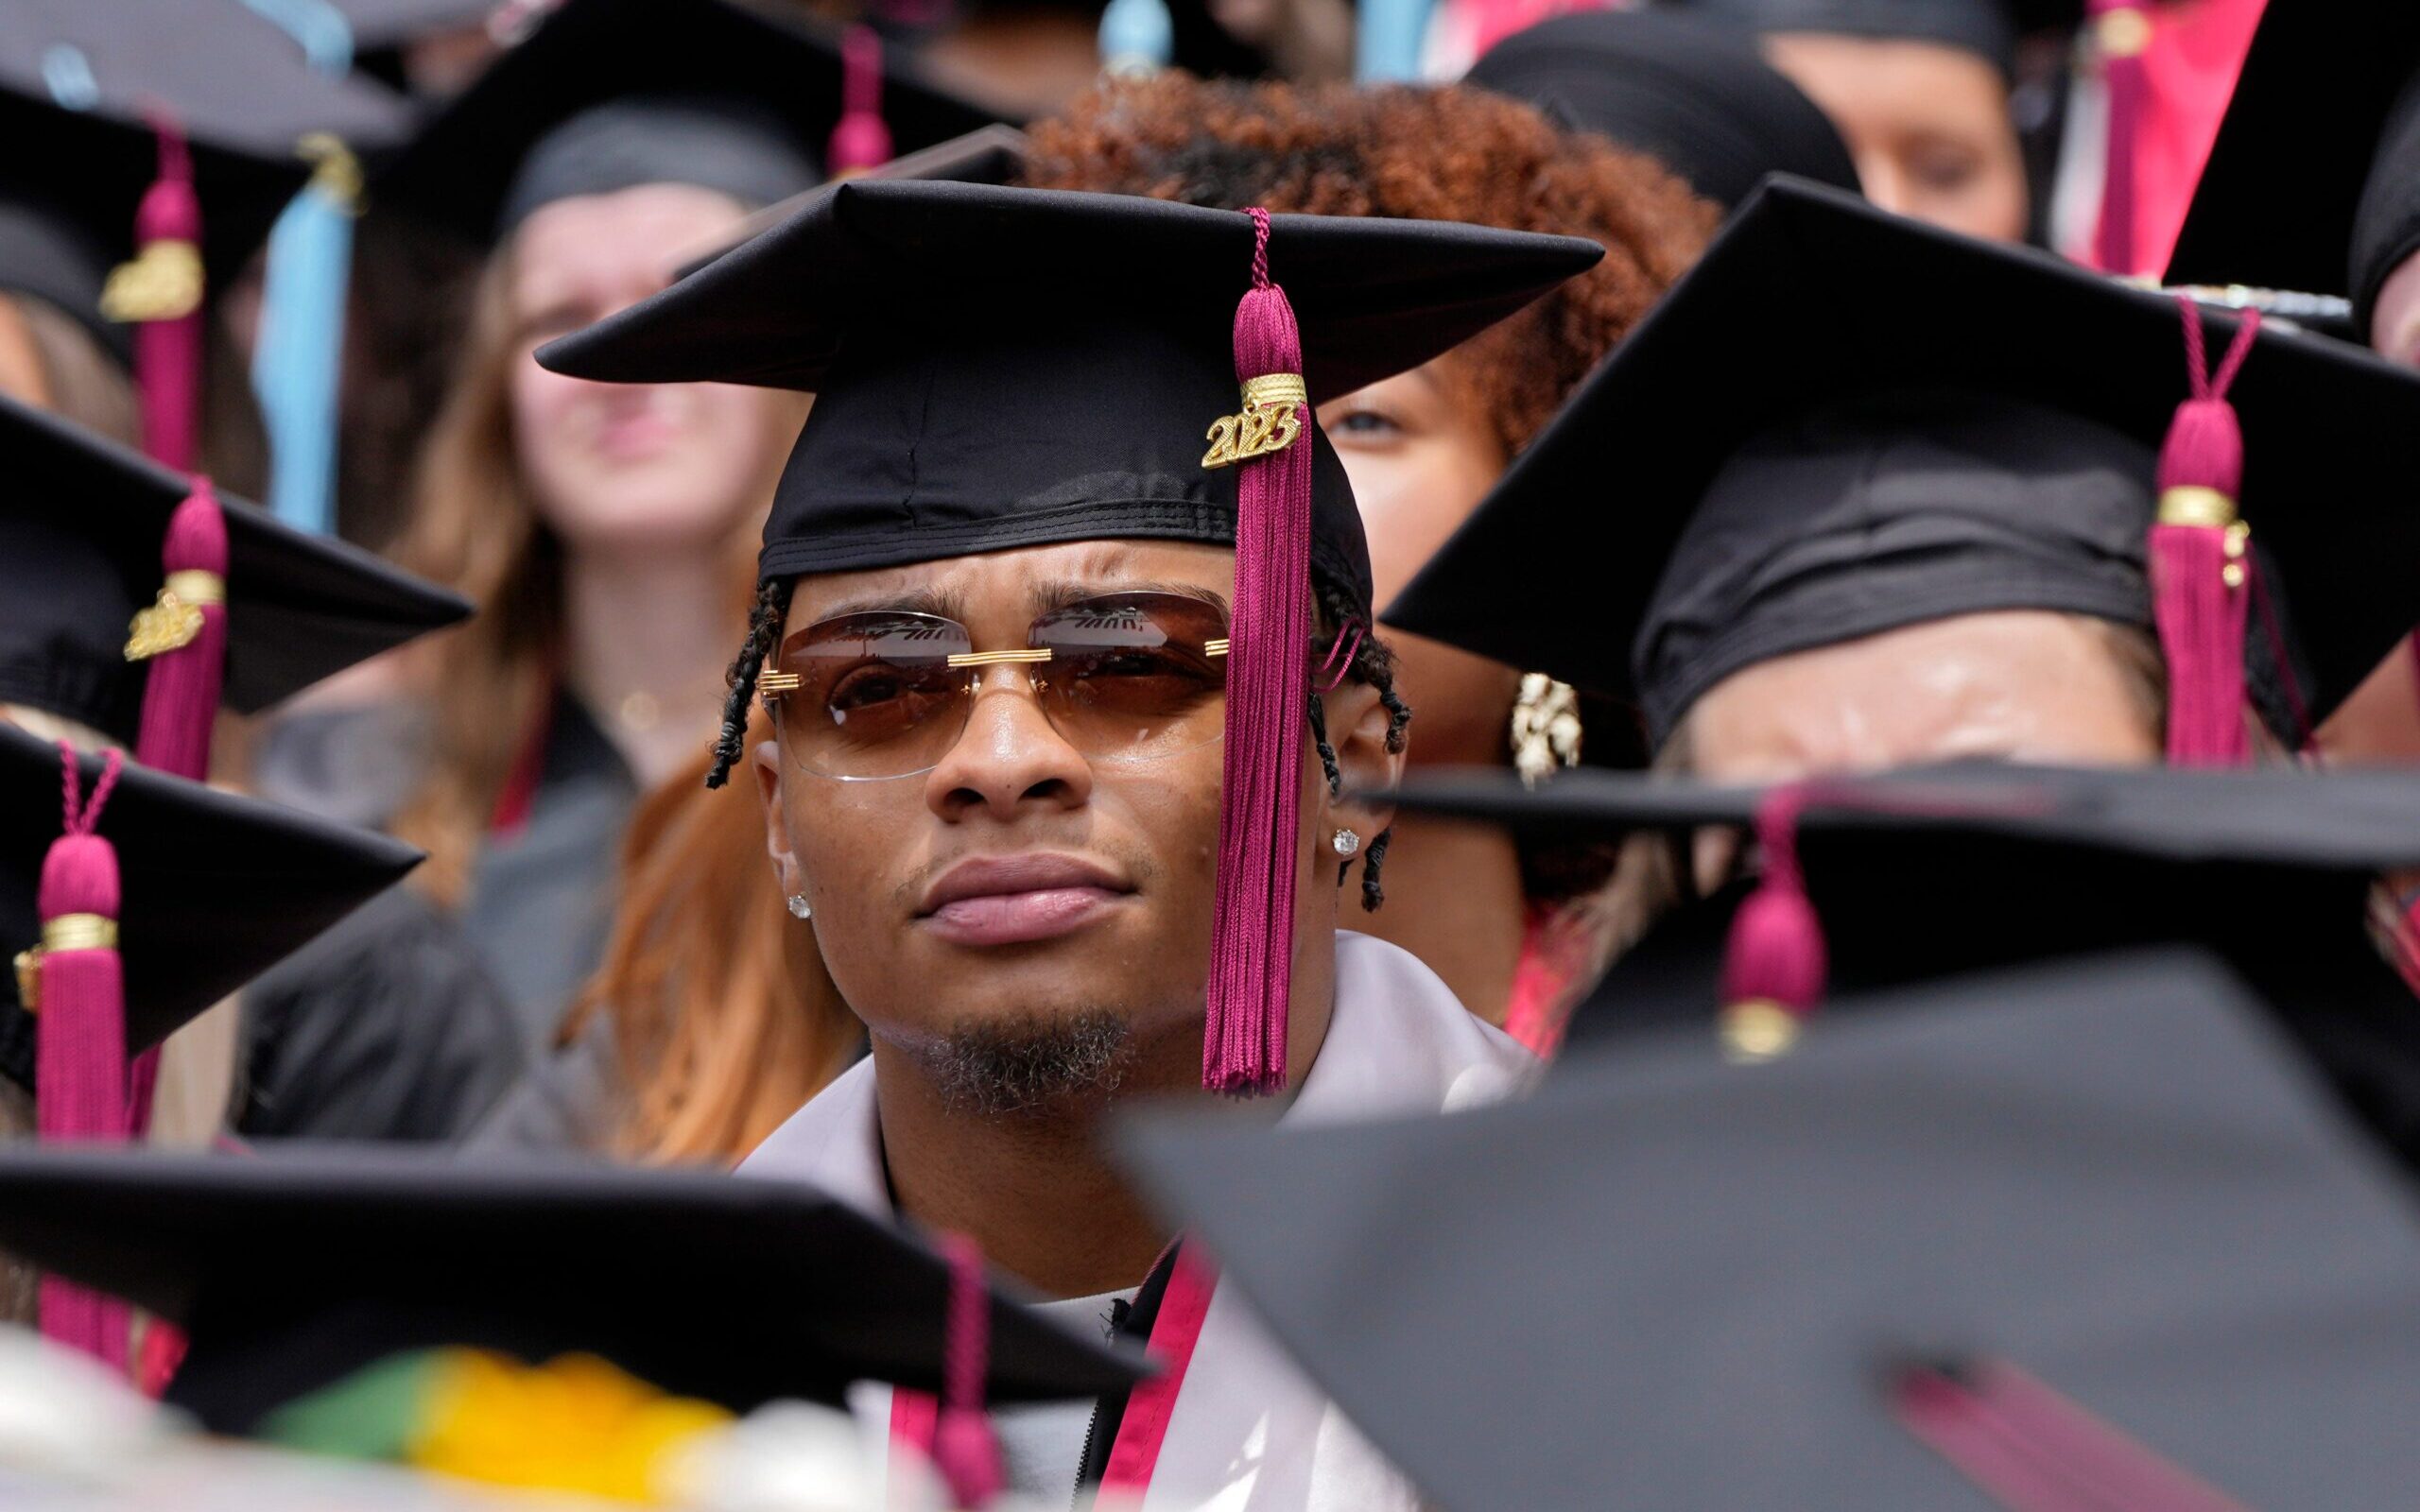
(1841, 422)
(215, 888)
(607, 94)
(1865, 883)
(2080, 1235)
(82, 531)
(2311, 185)
(228, 75)
(1696, 98)
(301, 1264)
(1139, 316)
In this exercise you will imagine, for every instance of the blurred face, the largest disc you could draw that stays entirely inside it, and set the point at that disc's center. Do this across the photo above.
(2395, 328)
(1031, 881)
(624, 468)
(1420, 460)
(2020, 685)
(21, 370)
(1929, 126)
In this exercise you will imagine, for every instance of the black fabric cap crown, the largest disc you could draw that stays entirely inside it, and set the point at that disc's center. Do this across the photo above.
(708, 91)
(998, 368)
(2313, 183)
(1696, 97)
(217, 888)
(301, 1264)
(80, 528)
(1811, 299)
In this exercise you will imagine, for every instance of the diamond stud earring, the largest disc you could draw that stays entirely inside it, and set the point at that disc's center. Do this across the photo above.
(798, 908)
(1346, 842)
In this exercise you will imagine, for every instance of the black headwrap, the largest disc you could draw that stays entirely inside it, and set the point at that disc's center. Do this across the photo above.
(2386, 229)
(714, 144)
(1983, 27)
(1696, 98)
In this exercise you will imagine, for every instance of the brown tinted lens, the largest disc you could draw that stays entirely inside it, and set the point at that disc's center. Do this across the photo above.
(877, 696)
(1135, 675)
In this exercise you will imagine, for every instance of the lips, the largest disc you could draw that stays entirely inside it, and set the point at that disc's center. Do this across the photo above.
(1013, 900)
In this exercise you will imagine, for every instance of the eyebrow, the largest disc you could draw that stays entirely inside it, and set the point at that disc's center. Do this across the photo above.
(942, 603)
(1061, 591)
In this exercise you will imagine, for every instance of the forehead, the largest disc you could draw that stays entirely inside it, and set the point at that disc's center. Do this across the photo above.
(1010, 584)
(646, 231)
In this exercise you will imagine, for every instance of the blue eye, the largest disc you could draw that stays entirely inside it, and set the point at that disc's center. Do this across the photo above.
(1368, 423)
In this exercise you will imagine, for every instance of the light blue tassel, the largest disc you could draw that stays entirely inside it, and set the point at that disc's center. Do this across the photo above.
(297, 359)
(1387, 40)
(1136, 37)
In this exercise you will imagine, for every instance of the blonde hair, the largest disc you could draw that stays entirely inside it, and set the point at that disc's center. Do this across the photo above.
(724, 1021)
(475, 529)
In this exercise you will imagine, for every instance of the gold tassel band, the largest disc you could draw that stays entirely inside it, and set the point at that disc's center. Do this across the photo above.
(2193, 505)
(68, 932)
(199, 588)
(163, 283)
(1276, 388)
(1757, 1029)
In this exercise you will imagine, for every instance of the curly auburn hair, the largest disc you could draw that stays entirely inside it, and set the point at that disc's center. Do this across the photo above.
(1407, 152)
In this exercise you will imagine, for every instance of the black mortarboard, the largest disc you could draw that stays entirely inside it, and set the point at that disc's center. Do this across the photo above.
(607, 94)
(81, 553)
(301, 1265)
(1147, 361)
(950, 330)
(1927, 873)
(2084, 1232)
(2313, 183)
(1696, 97)
(1841, 422)
(216, 888)
(1984, 27)
(67, 213)
(226, 74)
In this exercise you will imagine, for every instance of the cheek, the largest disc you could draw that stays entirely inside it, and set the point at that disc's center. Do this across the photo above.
(1413, 497)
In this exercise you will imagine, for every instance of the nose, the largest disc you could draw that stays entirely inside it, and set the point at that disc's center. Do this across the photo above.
(1008, 759)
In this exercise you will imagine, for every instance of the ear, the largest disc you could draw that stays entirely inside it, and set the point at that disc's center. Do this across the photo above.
(1357, 720)
(766, 761)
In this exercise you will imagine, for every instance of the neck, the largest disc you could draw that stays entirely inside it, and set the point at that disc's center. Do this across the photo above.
(646, 639)
(1453, 900)
(1039, 1191)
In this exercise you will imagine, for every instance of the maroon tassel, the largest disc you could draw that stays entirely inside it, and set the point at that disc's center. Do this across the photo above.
(965, 1451)
(2121, 32)
(2200, 563)
(183, 636)
(79, 1032)
(1252, 961)
(161, 292)
(1774, 965)
(861, 141)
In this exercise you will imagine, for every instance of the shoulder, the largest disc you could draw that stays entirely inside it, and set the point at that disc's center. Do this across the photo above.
(1393, 1011)
(833, 1142)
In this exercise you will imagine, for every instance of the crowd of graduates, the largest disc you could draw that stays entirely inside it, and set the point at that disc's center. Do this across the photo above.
(1261, 754)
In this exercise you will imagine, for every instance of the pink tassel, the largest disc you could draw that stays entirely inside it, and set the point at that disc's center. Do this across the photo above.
(181, 693)
(2199, 563)
(861, 141)
(1251, 964)
(1775, 963)
(79, 1033)
(2121, 32)
(965, 1451)
(161, 291)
